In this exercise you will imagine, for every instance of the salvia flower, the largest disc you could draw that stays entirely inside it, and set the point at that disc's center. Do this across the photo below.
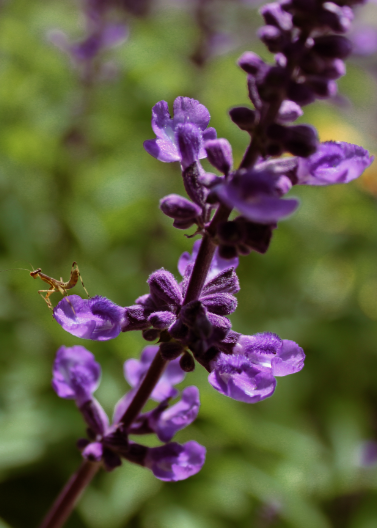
(257, 195)
(180, 138)
(173, 461)
(97, 318)
(76, 376)
(334, 162)
(248, 373)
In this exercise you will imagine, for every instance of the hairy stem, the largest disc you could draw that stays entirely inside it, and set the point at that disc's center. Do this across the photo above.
(144, 391)
(70, 494)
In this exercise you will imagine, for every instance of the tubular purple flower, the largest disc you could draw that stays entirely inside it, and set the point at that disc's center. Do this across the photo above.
(173, 142)
(219, 154)
(334, 162)
(165, 424)
(237, 377)
(267, 350)
(256, 194)
(76, 374)
(173, 461)
(97, 318)
(135, 370)
(179, 208)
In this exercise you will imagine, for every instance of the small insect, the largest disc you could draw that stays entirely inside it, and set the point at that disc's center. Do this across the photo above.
(58, 285)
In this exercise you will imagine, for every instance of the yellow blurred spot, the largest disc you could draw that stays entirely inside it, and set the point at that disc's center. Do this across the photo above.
(368, 299)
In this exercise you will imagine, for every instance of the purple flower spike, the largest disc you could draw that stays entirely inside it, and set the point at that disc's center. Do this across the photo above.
(256, 194)
(237, 377)
(179, 138)
(97, 318)
(178, 416)
(218, 263)
(134, 371)
(173, 461)
(267, 350)
(76, 374)
(334, 162)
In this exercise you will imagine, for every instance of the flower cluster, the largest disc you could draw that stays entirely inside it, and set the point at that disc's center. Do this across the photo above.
(76, 376)
(188, 318)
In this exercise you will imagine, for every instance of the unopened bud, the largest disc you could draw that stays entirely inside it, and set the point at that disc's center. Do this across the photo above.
(219, 154)
(243, 117)
(332, 46)
(187, 362)
(171, 350)
(179, 208)
(251, 63)
(302, 140)
(151, 334)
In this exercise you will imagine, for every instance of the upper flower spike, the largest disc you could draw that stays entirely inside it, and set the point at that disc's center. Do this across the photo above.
(180, 138)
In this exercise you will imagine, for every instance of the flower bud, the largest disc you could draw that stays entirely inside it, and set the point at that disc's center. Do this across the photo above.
(229, 233)
(271, 83)
(187, 362)
(332, 46)
(178, 330)
(179, 208)
(151, 334)
(135, 318)
(289, 111)
(243, 117)
(219, 154)
(321, 87)
(251, 63)
(164, 287)
(272, 37)
(300, 93)
(275, 16)
(161, 320)
(302, 140)
(171, 350)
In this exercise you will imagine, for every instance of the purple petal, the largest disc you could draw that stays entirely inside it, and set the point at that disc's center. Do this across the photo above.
(97, 318)
(259, 207)
(334, 162)
(260, 348)
(209, 133)
(290, 359)
(162, 150)
(188, 138)
(178, 416)
(188, 110)
(123, 403)
(95, 416)
(76, 374)
(135, 370)
(237, 377)
(162, 124)
(173, 461)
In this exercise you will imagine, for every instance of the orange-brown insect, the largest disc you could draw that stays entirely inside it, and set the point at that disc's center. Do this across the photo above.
(58, 285)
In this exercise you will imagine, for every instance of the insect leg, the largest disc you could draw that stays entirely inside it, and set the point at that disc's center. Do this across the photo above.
(74, 265)
(46, 297)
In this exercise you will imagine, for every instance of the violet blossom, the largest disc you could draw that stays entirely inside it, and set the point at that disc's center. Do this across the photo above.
(76, 376)
(248, 374)
(180, 138)
(173, 461)
(334, 162)
(97, 318)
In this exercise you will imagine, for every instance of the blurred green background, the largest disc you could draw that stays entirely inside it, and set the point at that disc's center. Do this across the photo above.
(76, 184)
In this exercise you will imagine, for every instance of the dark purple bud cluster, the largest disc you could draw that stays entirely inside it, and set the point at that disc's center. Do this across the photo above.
(76, 376)
(308, 60)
